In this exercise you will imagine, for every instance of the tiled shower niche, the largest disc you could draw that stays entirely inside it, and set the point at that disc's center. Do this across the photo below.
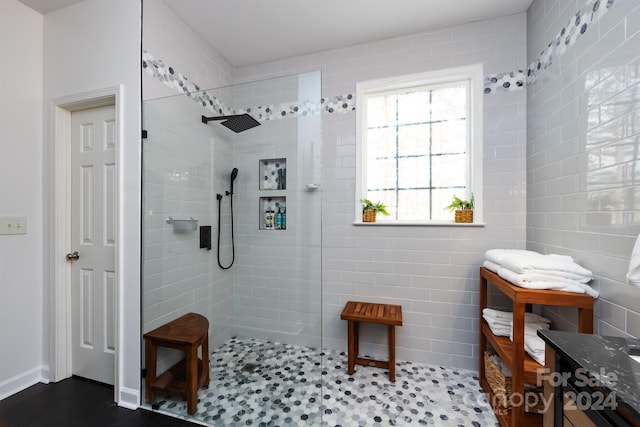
(273, 212)
(273, 174)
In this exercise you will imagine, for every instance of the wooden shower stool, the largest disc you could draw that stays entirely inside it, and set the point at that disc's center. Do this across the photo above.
(185, 333)
(385, 314)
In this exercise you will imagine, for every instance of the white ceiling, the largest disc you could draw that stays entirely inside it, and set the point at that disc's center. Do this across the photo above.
(249, 32)
(46, 6)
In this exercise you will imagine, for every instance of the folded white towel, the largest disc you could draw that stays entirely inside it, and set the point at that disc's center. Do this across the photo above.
(494, 320)
(498, 314)
(533, 344)
(531, 330)
(523, 262)
(633, 276)
(506, 317)
(498, 329)
(490, 265)
(501, 323)
(497, 255)
(558, 274)
(543, 277)
(558, 284)
(532, 347)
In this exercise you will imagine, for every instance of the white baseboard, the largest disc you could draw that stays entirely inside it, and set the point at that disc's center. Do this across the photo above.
(45, 375)
(129, 398)
(22, 381)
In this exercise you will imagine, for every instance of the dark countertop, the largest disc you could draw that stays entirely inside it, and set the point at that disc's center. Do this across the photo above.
(602, 356)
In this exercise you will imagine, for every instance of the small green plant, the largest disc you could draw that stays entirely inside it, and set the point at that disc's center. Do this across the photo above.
(458, 203)
(368, 205)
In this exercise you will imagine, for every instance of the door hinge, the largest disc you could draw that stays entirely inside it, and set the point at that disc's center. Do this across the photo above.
(144, 134)
(143, 373)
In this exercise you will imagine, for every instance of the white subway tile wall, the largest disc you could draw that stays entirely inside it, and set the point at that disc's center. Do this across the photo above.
(277, 290)
(432, 272)
(582, 153)
(180, 158)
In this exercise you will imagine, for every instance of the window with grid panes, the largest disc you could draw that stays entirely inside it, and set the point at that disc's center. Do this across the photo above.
(419, 142)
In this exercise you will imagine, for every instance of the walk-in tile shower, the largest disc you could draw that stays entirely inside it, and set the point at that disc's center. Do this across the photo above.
(270, 298)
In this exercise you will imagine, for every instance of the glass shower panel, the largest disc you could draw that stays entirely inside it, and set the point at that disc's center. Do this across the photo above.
(277, 279)
(264, 311)
(179, 163)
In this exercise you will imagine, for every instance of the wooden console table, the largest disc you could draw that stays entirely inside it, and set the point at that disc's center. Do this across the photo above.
(523, 368)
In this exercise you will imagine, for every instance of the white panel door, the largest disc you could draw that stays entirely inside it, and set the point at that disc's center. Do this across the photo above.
(93, 215)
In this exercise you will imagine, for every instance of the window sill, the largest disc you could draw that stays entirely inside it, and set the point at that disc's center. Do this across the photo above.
(421, 223)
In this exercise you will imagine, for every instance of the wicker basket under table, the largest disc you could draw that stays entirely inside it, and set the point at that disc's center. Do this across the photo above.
(501, 388)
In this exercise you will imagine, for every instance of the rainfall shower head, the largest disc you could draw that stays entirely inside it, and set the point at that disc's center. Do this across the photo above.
(237, 122)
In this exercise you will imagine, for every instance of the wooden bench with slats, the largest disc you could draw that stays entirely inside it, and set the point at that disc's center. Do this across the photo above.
(386, 314)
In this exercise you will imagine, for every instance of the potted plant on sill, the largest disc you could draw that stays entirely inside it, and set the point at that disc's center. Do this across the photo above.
(370, 209)
(463, 209)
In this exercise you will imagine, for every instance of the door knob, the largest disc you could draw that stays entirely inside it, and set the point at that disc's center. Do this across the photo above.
(74, 256)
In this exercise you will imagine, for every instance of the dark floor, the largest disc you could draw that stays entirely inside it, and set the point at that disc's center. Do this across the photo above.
(75, 402)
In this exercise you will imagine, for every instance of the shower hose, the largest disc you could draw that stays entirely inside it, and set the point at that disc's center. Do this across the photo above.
(233, 245)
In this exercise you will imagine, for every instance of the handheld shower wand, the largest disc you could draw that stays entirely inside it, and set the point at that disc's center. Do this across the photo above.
(232, 177)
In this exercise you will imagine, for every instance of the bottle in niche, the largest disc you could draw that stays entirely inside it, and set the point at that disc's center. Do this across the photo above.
(269, 219)
(279, 219)
(283, 219)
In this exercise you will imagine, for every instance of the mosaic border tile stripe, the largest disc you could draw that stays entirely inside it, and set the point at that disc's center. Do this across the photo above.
(503, 82)
(281, 111)
(592, 11)
(339, 103)
(167, 75)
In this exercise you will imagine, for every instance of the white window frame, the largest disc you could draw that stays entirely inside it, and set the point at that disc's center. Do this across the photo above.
(474, 75)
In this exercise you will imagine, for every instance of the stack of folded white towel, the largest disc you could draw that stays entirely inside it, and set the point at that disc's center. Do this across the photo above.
(501, 324)
(529, 269)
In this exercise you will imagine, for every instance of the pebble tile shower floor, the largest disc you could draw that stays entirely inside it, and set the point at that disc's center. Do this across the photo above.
(289, 386)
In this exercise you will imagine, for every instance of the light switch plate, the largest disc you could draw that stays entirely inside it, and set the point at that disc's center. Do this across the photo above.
(13, 225)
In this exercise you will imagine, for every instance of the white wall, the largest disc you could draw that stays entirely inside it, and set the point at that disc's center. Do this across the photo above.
(431, 271)
(20, 195)
(582, 154)
(88, 46)
(168, 38)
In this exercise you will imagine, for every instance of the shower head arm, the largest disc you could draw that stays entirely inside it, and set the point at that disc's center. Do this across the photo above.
(206, 119)
(237, 122)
